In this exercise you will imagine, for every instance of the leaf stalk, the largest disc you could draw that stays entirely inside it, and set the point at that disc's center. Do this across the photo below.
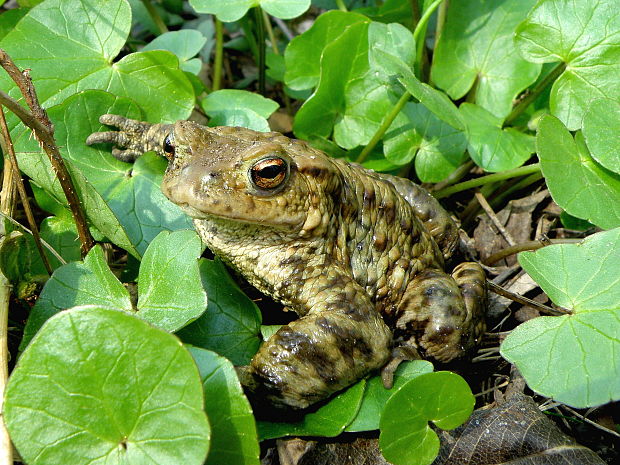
(481, 181)
(387, 121)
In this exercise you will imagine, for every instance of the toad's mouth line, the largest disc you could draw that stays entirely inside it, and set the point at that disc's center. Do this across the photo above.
(196, 214)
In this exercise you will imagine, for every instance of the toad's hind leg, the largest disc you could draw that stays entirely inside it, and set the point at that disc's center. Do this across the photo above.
(341, 339)
(441, 316)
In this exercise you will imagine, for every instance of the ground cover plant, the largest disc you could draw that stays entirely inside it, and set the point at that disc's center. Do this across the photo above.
(508, 111)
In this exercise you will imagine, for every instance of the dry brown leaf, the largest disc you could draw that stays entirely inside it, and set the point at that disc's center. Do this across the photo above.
(514, 433)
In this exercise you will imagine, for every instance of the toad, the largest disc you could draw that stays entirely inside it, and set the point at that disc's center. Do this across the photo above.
(357, 254)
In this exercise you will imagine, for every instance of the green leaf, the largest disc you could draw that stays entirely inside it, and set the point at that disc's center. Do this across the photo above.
(9, 19)
(476, 46)
(572, 222)
(354, 93)
(233, 10)
(573, 358)
(329, 420)
(285, 9)
(121, 185)
(343, 58)
(79, 283)
(60, 232)
(438, 148)
(442, 397)
(185, 44)
(233, 428)
(490, 146)
(20, 261)
(585, 36)
(576, 181)
(601, 130)
(231, 107)
(169, 287)
(303, 54)
(100, 386)
(57, 32)
(436, 101)
(376, 396)
(231, 324)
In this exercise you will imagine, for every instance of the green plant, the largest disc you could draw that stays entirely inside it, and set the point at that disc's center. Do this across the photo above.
(503, 84)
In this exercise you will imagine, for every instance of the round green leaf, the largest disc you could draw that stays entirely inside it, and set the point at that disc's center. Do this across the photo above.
(56, 40)
(601, 130)
(185, 44)
(100, 386)
(355, 91)
(576, 181)
(285, 9)
(170, 292)
(233, 10)
(438, 147)
(329, 420)
(476, 45)
(376, 395)
(574, 358)
(490, 146)
(231, 324)
(572, 222)
(303, 54)
(434, 100)
(79, 283)
(585, 36)
(233, 428)
(232, 107)
(441, 397)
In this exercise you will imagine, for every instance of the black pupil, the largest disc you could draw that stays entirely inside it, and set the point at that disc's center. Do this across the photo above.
(168, 147)
(271, 171)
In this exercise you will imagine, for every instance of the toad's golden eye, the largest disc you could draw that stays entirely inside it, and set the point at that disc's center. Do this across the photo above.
(269, 173)
(169, 147)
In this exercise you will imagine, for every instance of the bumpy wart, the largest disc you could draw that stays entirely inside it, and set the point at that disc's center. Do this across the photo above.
(357, 254)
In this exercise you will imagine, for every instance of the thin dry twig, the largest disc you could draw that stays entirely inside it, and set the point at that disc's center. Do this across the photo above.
(494, 219)
(7, 204)
(7, 147)
(529, 245)
(525, 301)
(587, 420)
(37, 120)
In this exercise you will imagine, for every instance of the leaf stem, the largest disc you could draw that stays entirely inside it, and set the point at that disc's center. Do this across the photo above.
(341, 6)
(419, 34)
(219, 55)
(459, 173)
(387, 121)
(441, 20)
(462, 186)
(421, 26)
(159, 23)
(530, 96)
(523, 183)
(260, 39)
(272, 37)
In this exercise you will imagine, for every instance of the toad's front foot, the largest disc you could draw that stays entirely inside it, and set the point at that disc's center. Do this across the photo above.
(135, 137)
